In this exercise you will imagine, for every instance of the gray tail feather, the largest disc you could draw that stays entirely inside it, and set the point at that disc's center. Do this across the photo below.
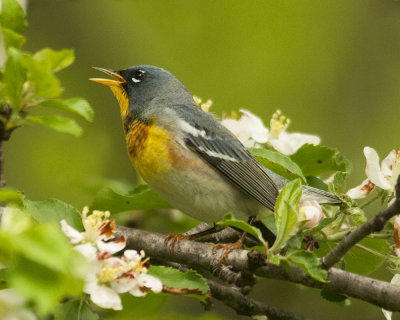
(309, 193)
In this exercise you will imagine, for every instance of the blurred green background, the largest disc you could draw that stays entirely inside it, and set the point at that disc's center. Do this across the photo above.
(333, 67)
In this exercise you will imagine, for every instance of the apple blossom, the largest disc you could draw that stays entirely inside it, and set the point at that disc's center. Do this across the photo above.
(383, 176)
(310, 211)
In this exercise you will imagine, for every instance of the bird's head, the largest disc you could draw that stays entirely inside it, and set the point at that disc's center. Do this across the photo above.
(141, 87)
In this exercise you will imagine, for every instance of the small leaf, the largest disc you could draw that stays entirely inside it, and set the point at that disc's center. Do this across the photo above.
(12, 38)
(55, 60)
(57, 123)
(14, 78)
(78, 106)
(182, 280)
(54, 210)
(230, 221)
(74, 310)
(286, 213)
(315, 160)
(338, 185)
(316, 183)
(278, 163)
(309, 262)
(141, 198)
(12, 16)
(332, 296)
(44, 82)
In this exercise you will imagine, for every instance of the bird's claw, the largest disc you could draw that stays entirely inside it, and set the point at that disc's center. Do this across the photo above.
(175, 238)
(227, 249)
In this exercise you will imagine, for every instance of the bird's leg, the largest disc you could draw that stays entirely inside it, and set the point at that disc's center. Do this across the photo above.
(229, 247)
(175, 238)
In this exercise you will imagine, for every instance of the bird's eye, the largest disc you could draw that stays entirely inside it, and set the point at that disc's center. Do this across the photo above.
(138, 76)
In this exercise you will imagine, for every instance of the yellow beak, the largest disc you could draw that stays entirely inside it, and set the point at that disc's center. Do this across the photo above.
(117, 81)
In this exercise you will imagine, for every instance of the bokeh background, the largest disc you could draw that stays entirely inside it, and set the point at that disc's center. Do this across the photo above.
(333, 67)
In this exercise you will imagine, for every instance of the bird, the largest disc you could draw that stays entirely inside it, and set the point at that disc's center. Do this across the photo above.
(186, 155)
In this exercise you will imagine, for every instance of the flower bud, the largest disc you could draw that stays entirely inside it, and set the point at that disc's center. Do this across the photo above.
(310, 211)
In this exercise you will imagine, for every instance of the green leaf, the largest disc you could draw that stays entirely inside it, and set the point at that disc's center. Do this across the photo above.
(12, 16)
(78, 106)
(44, 82)
(14, 78)
(315, 160)
(357, 215)
(278, 163)
(55, 60)
(286, 213)
(316, 183)
(141, 198)
(54, 210)
(332, 296)
(362, 262)
(309, 262)
(338, 185)
(43, 265)
(74, 310)
(12, 38)
(191, 280)
(10, 196)
(230, 221)
(57, 123)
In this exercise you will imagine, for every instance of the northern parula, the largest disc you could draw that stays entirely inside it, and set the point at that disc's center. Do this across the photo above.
(186, 155)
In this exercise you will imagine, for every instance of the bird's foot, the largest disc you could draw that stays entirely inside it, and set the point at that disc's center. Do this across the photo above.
(227, 249)
(175, 238)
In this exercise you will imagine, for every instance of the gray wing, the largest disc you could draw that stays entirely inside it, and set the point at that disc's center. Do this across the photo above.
(217, 145)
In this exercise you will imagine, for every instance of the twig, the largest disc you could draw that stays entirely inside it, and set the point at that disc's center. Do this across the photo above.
(200, 255)
(374, 225)
(246, 306)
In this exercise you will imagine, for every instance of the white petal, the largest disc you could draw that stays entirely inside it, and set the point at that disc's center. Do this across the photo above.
(373, 170)
(132, 256)
(151, 282)
(124, 284)
(289, 143)
(388, 163)
(361, 191)
(74, 235)
(106, 297)
(87, 250)
(258, 131)
(239, 130)
(111, 246)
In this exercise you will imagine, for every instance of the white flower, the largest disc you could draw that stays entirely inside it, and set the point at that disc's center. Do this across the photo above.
(249, 129)
(383, 176)
(310, 211)
(284, 142)
(289, 143)
(108, 276)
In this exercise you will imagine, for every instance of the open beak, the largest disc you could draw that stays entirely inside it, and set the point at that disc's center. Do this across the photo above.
(117, 81)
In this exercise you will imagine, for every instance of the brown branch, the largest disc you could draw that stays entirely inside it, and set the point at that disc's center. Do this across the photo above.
(243, 305)
(200, 255)
(374, 225)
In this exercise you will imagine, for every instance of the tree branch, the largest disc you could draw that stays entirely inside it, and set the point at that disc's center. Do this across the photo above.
(374, 225)
(232, 297)
(201, 255)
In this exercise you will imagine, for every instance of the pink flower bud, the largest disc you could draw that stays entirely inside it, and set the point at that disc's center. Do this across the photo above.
(310, 211)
